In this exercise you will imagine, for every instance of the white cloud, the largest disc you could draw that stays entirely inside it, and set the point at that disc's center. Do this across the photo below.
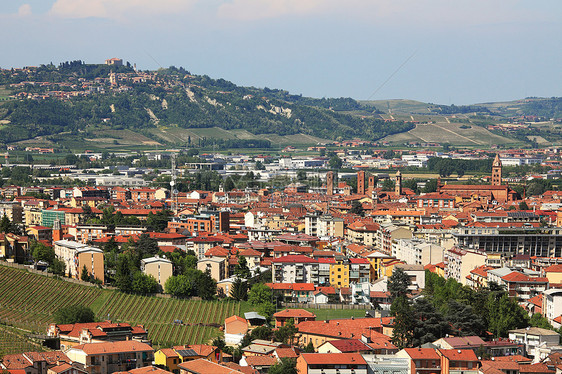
(24, 10)
(118, 9)
(262, 9)
(383, 11)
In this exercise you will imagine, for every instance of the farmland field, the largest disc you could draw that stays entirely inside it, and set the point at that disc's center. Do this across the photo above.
(28, 301)
(13, 340)
(452, 133)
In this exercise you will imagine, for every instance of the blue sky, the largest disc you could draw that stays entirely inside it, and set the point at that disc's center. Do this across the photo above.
(457, 51)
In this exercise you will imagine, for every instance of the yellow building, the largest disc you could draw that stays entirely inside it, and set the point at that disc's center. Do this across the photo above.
(375, 259)
(554, 273)
(93, 259)
(169, 358)
(160, 268)
(172, 357)
(387, 266)
(339, 274)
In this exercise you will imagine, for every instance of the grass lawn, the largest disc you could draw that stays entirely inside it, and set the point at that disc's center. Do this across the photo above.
(325, 314)
(321, 314)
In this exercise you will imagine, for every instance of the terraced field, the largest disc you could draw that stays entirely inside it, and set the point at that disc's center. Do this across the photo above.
(200, 319)
(13, 340)
(29, 300)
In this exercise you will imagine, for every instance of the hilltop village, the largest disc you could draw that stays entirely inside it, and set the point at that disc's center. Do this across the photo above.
(464, 279)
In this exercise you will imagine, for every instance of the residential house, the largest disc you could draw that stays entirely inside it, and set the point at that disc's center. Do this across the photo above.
(202, 366)
(297, 315)
(159, 267)
(235, 327)
(421, 360)
(109, 357)
(217, 267)
(535, 340)
(342, 363)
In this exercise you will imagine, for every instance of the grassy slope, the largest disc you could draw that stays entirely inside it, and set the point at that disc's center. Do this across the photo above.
(28, 301)
(452, 133)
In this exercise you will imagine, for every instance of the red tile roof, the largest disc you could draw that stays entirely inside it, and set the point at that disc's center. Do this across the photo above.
(459, 354)
(113, 347)
(202, 366)
(422, 353)
(294, 313)
(333, 359)
(261, 360)
(349, 345)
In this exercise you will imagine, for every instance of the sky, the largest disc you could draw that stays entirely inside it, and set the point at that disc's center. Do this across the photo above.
(438, 51)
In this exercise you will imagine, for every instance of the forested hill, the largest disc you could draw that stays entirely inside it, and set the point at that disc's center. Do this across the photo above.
(75, 97)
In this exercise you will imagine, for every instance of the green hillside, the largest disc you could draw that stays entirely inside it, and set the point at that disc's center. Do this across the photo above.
(76, 100)
(28, 301)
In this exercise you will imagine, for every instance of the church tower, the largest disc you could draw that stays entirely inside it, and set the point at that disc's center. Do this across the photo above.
(361, 182)
(497, 171)
(398, 184)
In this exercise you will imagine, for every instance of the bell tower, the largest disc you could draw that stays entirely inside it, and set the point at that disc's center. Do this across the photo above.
(398, 184)
(497, 171)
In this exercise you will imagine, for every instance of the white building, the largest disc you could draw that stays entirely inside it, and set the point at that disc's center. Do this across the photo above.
(295, 269)
(538, 342)
(417, 251)
(459, 263)
(552, 305)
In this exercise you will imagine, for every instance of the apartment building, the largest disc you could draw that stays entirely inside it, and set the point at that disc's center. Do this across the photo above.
(110, 357)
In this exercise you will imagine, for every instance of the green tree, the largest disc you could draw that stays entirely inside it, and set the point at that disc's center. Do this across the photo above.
(241, 269)
(158, 222)
(430, 186)
(286, 366)
(286, 334)
(144, 284)
(504, 315)
(261, 333)
(301, 175)
(87, 213)
(229, 184)
(239, 290)
(523, 206)
(123, 274)
(398, 283)
(402, 333)
(41, 252)
(388, 185)
(206, 285)
(538, 320)
(357, 208)
(111, 245)
(335, 162)
(463, 319)
(84, 274)
(309, 348)
(259, 294)
(260, 165)
(74, 314)
(57, 267)
(145, 247)
(5, 224)
(429, 323)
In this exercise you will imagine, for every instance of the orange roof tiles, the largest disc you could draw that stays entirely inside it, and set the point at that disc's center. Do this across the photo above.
(333, 359)
(459, 354)
(295, 313)
(202, 366)
(113, 347)
(422, 353)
